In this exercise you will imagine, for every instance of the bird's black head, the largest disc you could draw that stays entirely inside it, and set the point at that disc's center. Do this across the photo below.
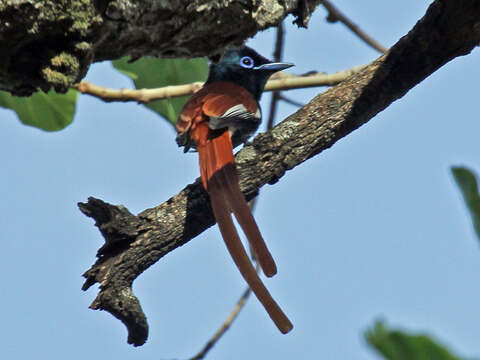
(245, 67)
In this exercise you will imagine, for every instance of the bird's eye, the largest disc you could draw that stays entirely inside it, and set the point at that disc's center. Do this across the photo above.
(246, 62)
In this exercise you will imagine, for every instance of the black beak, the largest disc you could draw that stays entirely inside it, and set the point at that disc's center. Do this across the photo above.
(273, 67)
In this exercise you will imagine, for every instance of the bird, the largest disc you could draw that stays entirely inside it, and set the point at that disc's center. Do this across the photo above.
(223, 114)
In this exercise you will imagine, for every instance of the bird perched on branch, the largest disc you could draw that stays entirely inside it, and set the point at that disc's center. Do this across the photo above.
(223, 114)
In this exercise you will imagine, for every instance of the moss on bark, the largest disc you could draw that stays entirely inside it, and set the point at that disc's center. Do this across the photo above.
(45, 43)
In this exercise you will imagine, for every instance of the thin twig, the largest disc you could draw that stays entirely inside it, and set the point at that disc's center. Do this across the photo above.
(290, 101)
(281, 82)
(226, 324)
(335, 15)
(277, 57)
(138, 95)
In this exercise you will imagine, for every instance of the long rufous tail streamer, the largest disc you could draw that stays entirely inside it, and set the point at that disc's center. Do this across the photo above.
(219, 177)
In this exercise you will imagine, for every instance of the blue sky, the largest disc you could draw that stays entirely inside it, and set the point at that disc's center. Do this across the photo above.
(372, 228)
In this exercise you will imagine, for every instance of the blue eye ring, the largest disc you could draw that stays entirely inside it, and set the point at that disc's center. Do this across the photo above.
(247, 62)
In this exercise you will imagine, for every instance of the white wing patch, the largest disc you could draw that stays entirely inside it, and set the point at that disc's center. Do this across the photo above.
(235, 111)
(233, 118)
(240, 122)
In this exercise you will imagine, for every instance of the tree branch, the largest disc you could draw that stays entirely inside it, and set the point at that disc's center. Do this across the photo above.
(143, 96)
(449, 29)
(51, 44)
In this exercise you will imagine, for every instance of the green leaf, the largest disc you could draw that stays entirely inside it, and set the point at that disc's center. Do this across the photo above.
(49, 112)
(398, 345)
(154, 73)
(467, 183)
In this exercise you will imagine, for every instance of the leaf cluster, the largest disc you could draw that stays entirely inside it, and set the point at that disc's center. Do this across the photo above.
(54, 112)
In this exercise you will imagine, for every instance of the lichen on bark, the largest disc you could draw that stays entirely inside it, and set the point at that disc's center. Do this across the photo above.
(43, 43)
(51, 43)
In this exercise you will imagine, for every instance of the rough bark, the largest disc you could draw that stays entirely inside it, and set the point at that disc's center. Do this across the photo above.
(51, 43)
(449, 29)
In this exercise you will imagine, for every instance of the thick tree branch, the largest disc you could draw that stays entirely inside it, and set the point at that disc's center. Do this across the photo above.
(51, 43)
(449, 29)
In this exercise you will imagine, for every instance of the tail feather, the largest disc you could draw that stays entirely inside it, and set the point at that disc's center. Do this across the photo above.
(218, 190)
(219, 177)
(216, 156)
(246, 220)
